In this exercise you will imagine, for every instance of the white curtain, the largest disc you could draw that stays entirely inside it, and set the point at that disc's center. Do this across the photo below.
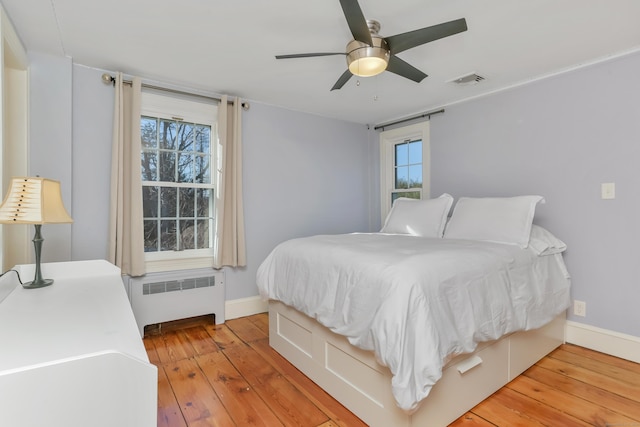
(126, 228)
(230, 250)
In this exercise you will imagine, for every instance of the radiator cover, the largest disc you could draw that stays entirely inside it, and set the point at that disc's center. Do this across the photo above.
(163, 297)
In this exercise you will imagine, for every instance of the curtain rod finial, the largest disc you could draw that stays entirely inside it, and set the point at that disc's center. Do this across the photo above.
(106, 78)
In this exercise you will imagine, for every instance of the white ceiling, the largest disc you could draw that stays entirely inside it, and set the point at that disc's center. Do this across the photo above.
(229, 46)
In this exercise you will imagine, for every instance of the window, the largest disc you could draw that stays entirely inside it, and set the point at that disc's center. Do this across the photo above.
(407, 166)
(404, 164)
(178, 167)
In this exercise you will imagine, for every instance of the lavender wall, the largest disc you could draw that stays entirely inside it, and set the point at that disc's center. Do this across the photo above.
(561, 137)
(50, 140)
(92, 130)
(303, 175)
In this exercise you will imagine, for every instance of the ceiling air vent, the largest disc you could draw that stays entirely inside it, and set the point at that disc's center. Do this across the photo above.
(468, 79)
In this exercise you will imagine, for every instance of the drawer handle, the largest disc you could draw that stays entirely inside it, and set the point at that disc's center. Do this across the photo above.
(470, 363)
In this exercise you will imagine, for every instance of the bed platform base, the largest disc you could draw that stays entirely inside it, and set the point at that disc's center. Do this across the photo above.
(357, 381)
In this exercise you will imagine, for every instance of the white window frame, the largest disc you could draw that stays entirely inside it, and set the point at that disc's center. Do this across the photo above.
(388, 140)
(167, 105)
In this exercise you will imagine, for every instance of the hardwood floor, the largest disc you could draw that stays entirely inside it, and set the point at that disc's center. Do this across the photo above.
(227, 375)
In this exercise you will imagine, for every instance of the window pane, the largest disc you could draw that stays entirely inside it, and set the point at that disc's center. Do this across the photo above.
(168, 202)
(415, 152)
(185, 137)
(412, 194)
(187, 234)
(167, 166)
(203, 139)
(150, 202)
(204, 225)
(402, 177)
(149, 160)
(168, 238)
(408, 194)
(415, 176)
(205, 205)
(187, 203)
(167, 134)
(402, 154)
(150, 236)
(185, 167)
(203, 176)
(149, 132)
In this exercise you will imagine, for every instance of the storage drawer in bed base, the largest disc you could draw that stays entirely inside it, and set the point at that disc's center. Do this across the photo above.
(354, 377)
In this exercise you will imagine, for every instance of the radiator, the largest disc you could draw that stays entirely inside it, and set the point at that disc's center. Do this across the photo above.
(163, 297)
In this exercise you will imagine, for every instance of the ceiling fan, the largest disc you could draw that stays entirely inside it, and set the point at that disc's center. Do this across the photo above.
(369, 54)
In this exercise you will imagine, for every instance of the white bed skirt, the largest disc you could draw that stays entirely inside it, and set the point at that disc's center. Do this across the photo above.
(357, 381)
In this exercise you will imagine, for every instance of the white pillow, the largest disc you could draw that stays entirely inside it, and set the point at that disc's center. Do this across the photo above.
(543, 242)
(424, 218)
(496, 219)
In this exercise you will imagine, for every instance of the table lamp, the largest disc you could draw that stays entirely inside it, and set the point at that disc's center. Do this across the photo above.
(34, 201)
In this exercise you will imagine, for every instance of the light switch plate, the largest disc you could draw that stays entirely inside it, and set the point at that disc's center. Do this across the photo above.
(608, 190)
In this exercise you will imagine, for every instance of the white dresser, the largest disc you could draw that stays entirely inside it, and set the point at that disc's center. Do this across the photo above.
(71, 354)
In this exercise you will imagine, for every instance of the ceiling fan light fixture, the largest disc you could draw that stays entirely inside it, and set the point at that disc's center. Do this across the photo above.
(367, 61)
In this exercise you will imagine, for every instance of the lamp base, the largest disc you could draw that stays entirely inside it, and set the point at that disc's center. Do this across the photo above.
(38, 284)
(38, 281)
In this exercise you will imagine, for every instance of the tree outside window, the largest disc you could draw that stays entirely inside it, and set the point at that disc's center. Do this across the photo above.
(177, 184)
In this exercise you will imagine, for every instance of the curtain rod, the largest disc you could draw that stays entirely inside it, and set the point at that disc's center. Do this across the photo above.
(419, 116)
(107, 78)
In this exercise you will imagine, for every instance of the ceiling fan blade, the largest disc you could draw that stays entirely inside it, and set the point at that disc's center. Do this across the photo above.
(308, 55)
(342, 80)
(356, 21)
(404, 41)
(404, 69)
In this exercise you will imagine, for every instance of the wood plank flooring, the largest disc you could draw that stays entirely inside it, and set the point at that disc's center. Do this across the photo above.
(227, 375)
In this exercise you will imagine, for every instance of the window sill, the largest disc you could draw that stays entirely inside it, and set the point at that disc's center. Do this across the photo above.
(160, 265)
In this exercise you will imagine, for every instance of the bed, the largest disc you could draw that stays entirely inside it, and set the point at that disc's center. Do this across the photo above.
(416, 324)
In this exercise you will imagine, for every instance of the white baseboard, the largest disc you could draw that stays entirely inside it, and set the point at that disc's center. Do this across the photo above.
(603, 340)
(245, 307)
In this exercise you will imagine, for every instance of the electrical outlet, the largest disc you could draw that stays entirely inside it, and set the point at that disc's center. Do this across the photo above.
(579, 308)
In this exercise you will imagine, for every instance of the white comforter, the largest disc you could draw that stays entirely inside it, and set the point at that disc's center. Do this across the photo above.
(414, 301)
